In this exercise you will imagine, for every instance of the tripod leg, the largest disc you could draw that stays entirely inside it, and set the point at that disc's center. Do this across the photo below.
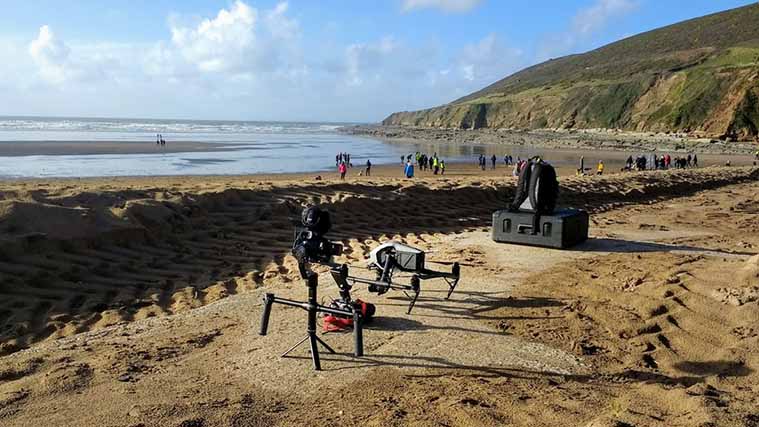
(295, 346)
(327, 347)
(315, 351)
(358, 334)
(268, 301)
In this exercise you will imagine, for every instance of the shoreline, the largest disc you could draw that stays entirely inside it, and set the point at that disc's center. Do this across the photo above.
(86, 148)
(576, 139)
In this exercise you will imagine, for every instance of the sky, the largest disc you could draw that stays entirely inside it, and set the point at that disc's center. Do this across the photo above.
(297, 60)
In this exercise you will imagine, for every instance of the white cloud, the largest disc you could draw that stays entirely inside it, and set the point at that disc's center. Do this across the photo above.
(51, 56)
(367, 59)
(221, 43)
(488, 60)
(597, 16)
(241, 63)
(279, 25)
(445, 5)
(585, 25)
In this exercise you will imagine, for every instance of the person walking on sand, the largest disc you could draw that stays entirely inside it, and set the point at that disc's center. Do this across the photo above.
(695, 160)
(435, 165)
(342, 169)
(600, 170)
(409, 170)
(157, 139)
(442, 167)
(493, 160)
(368, 167)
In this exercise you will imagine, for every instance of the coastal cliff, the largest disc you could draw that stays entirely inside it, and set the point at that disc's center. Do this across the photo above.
(699, 77)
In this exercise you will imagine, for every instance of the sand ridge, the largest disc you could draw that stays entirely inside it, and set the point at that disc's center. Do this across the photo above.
(519, 343)
(88, 255)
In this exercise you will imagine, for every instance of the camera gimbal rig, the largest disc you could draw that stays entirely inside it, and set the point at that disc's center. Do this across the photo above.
(311, 246)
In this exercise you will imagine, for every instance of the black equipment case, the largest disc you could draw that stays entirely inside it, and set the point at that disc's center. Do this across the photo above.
(561, 229)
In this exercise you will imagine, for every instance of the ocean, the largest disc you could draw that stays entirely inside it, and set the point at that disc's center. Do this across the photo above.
(259, 147)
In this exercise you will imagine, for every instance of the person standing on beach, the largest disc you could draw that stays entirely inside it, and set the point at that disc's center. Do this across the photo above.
(435, 165)
(342, 169)
(368, 167)
(695, 160)
(442, 167)
(409, 170)
(493, 160)
(157, 139)
(600, 170)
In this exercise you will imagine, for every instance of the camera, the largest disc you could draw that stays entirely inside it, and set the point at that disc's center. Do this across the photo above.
(310, 244)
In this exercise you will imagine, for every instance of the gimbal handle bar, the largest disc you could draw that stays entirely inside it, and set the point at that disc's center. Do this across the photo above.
(312, 307)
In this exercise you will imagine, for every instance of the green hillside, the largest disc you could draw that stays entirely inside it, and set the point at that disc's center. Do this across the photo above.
(699, 76)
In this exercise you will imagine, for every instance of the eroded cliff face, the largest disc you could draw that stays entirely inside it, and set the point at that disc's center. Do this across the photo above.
(711, 102)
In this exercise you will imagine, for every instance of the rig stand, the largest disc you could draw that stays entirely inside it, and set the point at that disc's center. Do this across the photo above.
(312, 307)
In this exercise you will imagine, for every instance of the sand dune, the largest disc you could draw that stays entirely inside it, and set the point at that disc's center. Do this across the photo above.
(91, 254)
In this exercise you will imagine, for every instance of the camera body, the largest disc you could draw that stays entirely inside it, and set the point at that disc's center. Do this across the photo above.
(310, 245)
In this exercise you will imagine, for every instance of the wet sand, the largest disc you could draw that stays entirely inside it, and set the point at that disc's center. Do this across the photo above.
(80, 148)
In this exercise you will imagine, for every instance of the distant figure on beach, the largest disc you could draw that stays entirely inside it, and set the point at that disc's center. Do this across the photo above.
(368, 167)
(157, 139)
(493, 160)
(163, 141)
(402, 162)
(409, 169)
(337, 160)
(342, 169)
(442, 167)
(435, 165)
(600, 169)
(695, 161)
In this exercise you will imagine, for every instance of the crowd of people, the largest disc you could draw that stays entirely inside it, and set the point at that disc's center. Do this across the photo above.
(419, 161)
(664, 161)
(423, 162)
(507, 161)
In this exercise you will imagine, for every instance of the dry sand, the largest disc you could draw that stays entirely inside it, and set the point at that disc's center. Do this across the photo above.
(139, 303)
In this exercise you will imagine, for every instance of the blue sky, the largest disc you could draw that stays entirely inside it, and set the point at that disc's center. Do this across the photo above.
(326, 60)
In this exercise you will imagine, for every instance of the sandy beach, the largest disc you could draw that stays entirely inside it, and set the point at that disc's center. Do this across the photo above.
(136, 302)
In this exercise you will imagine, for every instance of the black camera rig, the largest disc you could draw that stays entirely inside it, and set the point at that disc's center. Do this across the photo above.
(311, 246)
